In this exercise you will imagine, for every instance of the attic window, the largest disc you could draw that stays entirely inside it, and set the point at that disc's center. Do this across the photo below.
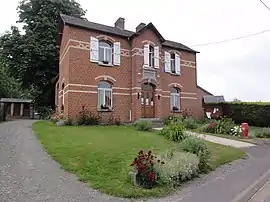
(151, 56)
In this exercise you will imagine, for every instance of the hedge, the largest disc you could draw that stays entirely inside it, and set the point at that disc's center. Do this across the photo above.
(255, 114)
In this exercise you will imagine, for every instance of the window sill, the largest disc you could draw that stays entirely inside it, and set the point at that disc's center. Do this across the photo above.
(174, 74)
(149, 68)
(105, 110)
(178, 111)
(106, 65)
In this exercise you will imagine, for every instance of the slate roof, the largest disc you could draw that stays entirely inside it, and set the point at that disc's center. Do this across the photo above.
(213, 99)
(84, 23)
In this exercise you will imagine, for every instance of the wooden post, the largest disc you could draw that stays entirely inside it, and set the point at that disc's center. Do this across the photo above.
(21, 111)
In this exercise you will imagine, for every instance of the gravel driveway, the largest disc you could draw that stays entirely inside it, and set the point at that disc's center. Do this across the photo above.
(27, 173)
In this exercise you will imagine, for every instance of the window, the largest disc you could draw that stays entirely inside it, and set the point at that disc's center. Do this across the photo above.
(105, 52)
(172, 63)
(175, 99)
(151, 56)
(104, 95)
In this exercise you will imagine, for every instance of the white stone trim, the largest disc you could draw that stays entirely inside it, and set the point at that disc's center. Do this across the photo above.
(105, 77)
(82, 45)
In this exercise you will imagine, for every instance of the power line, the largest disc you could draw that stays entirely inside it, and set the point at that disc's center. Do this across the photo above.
(264, 4)
(233, 39)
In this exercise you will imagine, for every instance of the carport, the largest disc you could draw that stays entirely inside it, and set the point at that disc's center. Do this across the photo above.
(13, 108)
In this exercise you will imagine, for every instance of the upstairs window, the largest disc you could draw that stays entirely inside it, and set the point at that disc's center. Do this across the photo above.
(173, 63)
(151, 56)
(105, 52)
(104, 95)
(175, 99)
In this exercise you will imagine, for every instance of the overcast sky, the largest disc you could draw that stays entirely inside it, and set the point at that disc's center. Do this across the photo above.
(238, 69)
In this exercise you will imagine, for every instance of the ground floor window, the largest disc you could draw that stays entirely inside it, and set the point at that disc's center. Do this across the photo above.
(175, 99)
(104, 95)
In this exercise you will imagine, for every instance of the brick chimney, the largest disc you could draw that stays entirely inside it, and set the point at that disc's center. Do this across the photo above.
(140, 26)
(120, 23)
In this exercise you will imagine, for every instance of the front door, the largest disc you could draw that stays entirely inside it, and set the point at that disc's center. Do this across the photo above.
(148, 101)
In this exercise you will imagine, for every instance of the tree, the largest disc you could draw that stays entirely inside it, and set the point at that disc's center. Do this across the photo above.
(33, 56)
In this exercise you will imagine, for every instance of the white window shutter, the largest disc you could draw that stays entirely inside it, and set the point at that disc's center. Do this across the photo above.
(167, 62)
(146, 55)
(116, 53)
(156, 56)
(93, 49)
(177, 64)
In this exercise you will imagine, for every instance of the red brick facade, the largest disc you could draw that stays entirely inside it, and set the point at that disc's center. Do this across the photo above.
(79, 76)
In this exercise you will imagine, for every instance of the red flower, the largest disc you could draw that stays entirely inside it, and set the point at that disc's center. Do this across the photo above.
(151, 176)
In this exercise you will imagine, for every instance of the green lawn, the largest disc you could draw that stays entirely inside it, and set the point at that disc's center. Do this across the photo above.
(101, 155)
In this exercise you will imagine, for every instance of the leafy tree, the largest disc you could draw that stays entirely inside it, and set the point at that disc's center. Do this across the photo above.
(33, 57)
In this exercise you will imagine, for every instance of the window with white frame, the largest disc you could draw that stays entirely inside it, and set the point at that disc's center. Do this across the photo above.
(175, 99)
(173, 63)
(151, 56)
(105, 52)
(104, 95)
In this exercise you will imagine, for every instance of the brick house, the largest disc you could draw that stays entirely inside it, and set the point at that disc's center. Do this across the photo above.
(115, 72)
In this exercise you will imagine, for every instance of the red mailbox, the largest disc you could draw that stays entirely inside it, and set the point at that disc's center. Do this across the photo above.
(244, 127)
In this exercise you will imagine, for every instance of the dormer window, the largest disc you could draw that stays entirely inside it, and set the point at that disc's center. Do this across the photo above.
(105, 52)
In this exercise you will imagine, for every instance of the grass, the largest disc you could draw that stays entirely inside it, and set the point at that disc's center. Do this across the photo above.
(101, 155)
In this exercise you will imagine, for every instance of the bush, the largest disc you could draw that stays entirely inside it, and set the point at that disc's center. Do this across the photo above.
(170, 119)
(143, 125)
(263, 133)
(69, 122)
(222, 126)
(45, 112)
(145, 168)
(253, 113)
(190, 123)
(175, 131)
(197, 146)
(88, 118)
(57, 116)
(180, 168)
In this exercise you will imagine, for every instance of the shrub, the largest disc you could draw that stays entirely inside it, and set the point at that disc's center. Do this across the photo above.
(170, 119)
(263, 133)
(143, 125)
(190, 123)
(222, 126)
(69, 122)
(197, 146)
(175, 131)
(45, 112)
(57, 116)
(253, 113)
(181, 167)
(88, 118)
(145, 168)
(236, 131)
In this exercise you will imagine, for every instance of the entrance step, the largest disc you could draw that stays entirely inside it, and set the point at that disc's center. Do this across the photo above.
(156, 122)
